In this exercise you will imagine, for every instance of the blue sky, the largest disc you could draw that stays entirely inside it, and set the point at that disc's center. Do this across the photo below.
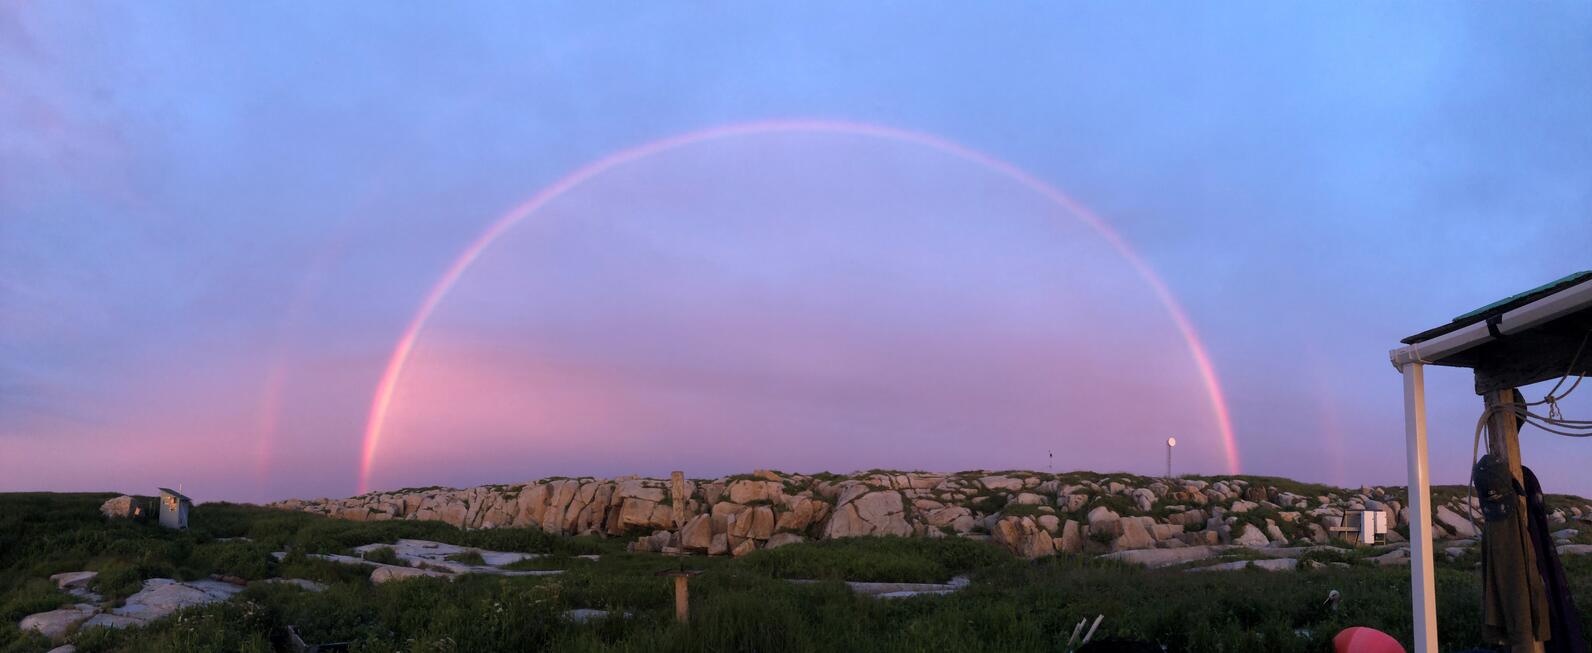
(198, 198)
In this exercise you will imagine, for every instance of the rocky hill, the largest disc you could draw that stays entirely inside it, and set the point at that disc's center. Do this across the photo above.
(1034, 514)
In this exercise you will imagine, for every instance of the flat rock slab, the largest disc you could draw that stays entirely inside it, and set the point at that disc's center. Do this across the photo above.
(55, 623)
(437, 553)
(107, 620)
(1394, 557)
(306, 585)
(1167, 557)
(389, 573)
(163, 596)
(1269, 564)
(1575, 549)
(1296, 551)
(898, 590)
(434, 556)
(584, 615)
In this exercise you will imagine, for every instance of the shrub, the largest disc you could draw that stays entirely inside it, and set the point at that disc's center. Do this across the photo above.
(384, 555)
(468, 557)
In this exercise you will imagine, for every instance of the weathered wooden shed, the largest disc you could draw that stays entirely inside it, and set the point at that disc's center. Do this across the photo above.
(1535, 336)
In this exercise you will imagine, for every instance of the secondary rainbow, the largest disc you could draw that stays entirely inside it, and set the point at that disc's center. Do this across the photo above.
(381, 402)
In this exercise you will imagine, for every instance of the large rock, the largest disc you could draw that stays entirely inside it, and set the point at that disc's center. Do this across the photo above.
(745, 547)
(55, 623)
(1144, 498)
(73, 579)
(1023, 537)
(1459, 524)
(762, 523)
(1394, 557)
(118, 508)
(782, 539)
(636, 513)
(389, 573)
(1187, 517)
(1071, 539)
(958, 518)
(1251, 537)
(1133, 535)
(636, 488)
(697, 534)
(1102, 514)
(802, 513)
(748, 491)
(872, 513)
(1001, 483)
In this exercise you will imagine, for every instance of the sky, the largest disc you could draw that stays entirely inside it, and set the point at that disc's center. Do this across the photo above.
(219, 221)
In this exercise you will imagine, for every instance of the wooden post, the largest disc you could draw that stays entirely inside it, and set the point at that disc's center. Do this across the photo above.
(678, 498)
(682, 600)
(1503, 438)
(682, 596)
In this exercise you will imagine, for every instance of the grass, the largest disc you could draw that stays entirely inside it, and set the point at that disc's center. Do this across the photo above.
(738, 604)
(468, 557)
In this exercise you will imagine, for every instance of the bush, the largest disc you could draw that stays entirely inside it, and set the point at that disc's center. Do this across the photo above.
(382, 554)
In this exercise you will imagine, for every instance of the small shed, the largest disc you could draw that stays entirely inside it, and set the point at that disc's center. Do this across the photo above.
(174, 508)
(1534, 336)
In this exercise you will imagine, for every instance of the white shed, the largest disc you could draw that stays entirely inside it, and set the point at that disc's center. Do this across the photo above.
(174, 508)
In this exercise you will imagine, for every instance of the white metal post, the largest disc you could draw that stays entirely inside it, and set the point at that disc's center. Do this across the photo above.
(1423, 591)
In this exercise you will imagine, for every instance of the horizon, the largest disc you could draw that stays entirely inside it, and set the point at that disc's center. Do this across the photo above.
(270, 253)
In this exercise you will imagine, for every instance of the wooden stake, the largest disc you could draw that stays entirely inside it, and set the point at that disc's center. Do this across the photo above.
(682, 597)
(682, 600)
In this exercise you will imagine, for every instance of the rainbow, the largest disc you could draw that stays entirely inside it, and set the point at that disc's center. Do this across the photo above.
(381, 402)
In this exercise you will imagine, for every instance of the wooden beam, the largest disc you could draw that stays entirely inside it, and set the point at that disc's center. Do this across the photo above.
(1524, 359)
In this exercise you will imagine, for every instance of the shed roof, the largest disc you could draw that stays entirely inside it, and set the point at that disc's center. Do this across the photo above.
(179, 495)
(1502, 306)
(1522, 339)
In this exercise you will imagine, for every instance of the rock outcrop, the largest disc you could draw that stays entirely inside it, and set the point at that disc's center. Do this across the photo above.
(1032, 514)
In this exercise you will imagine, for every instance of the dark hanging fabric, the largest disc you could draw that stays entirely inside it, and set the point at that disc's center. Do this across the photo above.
(1514, 603)
(1566, 622)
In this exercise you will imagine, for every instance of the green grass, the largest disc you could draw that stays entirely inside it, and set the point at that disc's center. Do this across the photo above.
(884, 559)
(740, 604)
(468, 557)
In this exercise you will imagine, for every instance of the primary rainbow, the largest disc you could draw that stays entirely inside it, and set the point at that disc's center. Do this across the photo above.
(382, 400)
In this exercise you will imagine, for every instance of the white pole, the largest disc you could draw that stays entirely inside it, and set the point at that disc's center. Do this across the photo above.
(1423, 592)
